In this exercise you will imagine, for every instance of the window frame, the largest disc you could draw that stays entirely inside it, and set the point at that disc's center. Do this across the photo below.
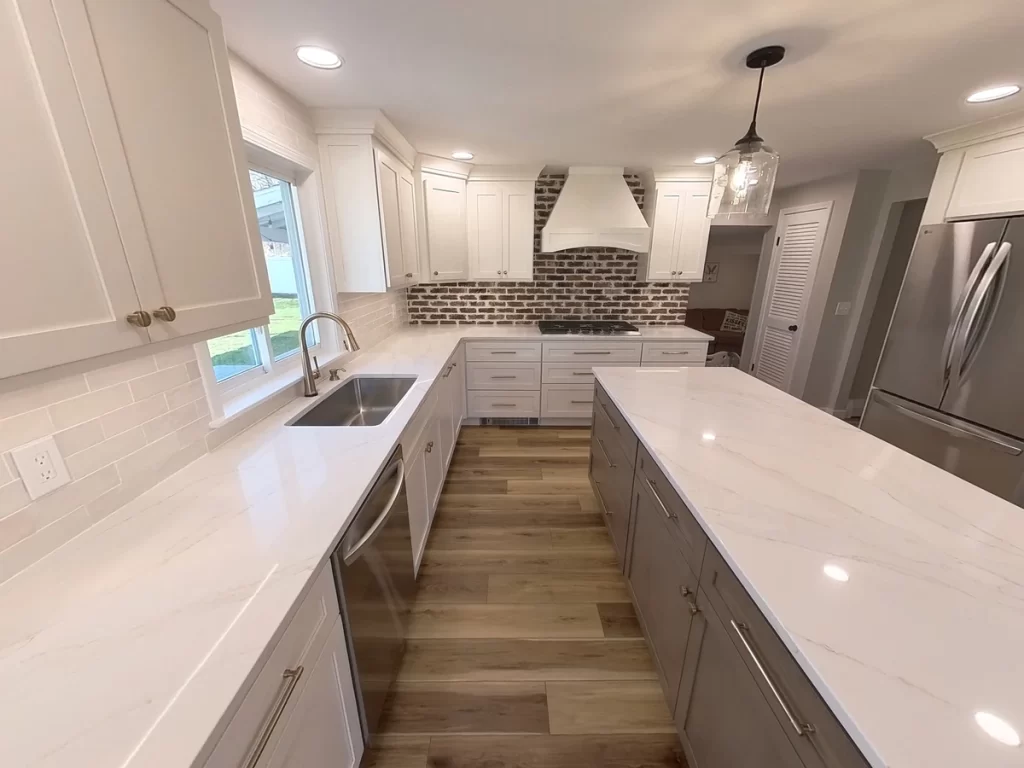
(264, 380)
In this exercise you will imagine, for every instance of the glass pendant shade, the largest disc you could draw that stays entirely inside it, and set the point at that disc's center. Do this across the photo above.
(744, 181)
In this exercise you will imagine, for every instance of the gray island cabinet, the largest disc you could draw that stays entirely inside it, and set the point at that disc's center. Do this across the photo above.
(738, 697)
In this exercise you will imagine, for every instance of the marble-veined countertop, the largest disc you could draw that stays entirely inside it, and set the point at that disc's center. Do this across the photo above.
(128, 645)
(927, 631)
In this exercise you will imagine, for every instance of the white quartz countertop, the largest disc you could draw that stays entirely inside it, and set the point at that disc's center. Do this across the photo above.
(127, 646)
(929, 628)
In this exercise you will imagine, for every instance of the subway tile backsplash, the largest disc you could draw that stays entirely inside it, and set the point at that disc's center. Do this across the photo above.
(581, 283)
(120, 428)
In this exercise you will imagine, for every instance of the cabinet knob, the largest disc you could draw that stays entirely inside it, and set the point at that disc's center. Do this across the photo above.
(685, 591)
(408, 274)
(505, 272)
(435, 273)
(499, 271)
(140, 319)
(793, 327)
(694, 610)
(165, 313)
(430, 446)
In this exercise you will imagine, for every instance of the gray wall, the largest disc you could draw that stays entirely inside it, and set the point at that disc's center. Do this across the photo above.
(736, 251)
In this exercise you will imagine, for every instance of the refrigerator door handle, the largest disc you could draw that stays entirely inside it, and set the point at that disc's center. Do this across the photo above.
(961, 306)
(950, 425)
(963, 354)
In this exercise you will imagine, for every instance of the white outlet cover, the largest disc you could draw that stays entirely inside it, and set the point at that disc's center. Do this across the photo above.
(843, 308)
(41, 467)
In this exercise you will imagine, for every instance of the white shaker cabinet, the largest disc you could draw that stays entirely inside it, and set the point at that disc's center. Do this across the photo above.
(121, 204)
(991, 180)
(396, 193)
(500, 220)
(444, 220)
(677, 215)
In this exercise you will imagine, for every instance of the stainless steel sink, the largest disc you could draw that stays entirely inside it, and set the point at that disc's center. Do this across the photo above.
(362, 401)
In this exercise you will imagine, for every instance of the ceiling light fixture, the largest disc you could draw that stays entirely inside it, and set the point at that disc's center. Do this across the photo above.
(318, 57)
(997, 728)
(833, 571)
(745, 175)
(704, 160)
(993, 94)
(462, 155)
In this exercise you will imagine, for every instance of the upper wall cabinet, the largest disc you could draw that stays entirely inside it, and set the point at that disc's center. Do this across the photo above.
(128, 220)
(980, 173)
(676, 210)
(370, 200)
(500, 220)
(444, 246)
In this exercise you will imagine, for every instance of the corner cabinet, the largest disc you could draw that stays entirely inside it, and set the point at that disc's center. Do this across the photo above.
(370, 202)
(117, 207)
(501, 226)
(677, 215)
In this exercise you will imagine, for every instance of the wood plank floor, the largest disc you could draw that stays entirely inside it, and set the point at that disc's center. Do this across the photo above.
(524, 649)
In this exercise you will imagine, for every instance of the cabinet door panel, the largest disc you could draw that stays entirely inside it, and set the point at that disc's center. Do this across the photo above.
(419, 503)
(665, 235)
(190, 225)
(435, 467)
(990, 182)
(445, 418)
(694, 230)
(726, 720)
(70, 287)
(445, 213)
(663, 586)
(459, 390)
(407, 221)
(323, 730)
(519, 231)
(391, 218)
(486, 231)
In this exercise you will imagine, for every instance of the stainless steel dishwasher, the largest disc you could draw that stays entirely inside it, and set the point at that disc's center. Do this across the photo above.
(373, 570)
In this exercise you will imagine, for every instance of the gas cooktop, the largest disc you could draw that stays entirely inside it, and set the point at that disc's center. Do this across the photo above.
(588, 327)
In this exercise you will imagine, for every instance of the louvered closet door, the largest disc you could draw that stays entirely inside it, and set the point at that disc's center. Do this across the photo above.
(794, 262)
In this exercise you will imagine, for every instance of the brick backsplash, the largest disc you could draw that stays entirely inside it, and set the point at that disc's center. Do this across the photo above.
(581, 283)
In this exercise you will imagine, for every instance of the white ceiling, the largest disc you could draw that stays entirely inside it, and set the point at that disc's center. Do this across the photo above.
(647, 82)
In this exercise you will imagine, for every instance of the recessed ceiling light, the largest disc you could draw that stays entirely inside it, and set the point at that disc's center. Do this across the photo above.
(993, 93)
(704, 159)
(708, 437)
(997, 728)
(318, 57)
(462, 155)
(833, 571)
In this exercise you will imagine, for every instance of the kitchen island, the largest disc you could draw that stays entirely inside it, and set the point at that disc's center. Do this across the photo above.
(896, 589)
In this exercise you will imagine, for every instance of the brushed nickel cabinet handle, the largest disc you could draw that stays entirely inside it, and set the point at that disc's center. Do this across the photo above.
(289, 679)
(607, 458)
(503, 352)
(430, 446)
(504, 377)
(802, 729)
(140, 319)
(664, 352)
(582, 373)
(606, 352)
(167, 314)
(657, 498)
(503, 405)
(581, 402)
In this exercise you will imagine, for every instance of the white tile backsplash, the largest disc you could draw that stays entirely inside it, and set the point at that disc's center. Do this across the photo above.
(121, 429)
(374, 316)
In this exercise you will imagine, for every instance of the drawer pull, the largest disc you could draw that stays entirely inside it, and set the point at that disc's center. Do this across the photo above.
(448, 371)
(607, 458)
(606, 352)
(657, 498)
(503, 352)
(503, 405)
(289, 679)
(504, 377)
(582, 373)
(674, 353)
(802, 729)
(610, 419)
(580, 402)
(694, 608)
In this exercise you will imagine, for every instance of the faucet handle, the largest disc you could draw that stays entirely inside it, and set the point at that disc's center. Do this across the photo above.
(316, 368)
(332, 374)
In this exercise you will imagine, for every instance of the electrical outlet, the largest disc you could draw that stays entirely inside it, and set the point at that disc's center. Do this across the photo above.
(41, 467)
(843, 308)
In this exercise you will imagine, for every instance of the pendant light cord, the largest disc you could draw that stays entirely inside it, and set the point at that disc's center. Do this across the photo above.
(752, 131)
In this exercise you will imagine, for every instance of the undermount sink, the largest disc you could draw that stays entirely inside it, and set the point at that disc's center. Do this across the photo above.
(362, 401)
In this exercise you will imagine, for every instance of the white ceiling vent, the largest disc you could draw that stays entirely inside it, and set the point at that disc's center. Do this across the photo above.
(596, 209)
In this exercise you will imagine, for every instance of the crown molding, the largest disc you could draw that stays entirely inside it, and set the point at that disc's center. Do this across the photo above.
(975, 133)
(370, 122)
(443, 166)
(505, 172)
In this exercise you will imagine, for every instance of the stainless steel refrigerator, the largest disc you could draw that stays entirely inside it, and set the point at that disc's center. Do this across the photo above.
(950, 381)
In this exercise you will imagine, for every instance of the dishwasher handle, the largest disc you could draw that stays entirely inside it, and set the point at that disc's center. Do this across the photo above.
(350, 554)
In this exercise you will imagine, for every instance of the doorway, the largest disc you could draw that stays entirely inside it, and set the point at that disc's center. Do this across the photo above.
(908, 214)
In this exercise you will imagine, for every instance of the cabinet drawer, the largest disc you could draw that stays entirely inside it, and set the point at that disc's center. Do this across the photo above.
(275, 686)
(575, 373)
(507, 404)
(566, 401)
(592, 352)
(662, 353)
(502, 352)
(764, 654)
(623, 433)
(683, 524)
(503, 375)
(612, 479)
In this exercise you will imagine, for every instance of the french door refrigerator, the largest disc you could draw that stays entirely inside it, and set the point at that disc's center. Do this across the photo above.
(950, 381)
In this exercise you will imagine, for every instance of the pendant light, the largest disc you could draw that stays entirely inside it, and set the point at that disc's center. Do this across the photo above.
(745, 175)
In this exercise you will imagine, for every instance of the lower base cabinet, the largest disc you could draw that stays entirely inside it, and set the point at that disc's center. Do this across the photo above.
(312, 736)
(726, 721)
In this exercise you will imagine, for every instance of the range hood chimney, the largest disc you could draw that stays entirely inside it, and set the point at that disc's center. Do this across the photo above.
(596, 209)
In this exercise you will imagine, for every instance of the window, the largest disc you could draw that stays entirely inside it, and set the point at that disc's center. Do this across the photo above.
(240, 356)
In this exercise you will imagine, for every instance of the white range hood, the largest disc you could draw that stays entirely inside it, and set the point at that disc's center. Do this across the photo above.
(596, 209)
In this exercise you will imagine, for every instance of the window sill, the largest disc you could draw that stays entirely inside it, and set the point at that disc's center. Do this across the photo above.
(275, 390)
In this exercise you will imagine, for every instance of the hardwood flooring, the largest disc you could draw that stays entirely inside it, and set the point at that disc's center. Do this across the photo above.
(524, 649)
